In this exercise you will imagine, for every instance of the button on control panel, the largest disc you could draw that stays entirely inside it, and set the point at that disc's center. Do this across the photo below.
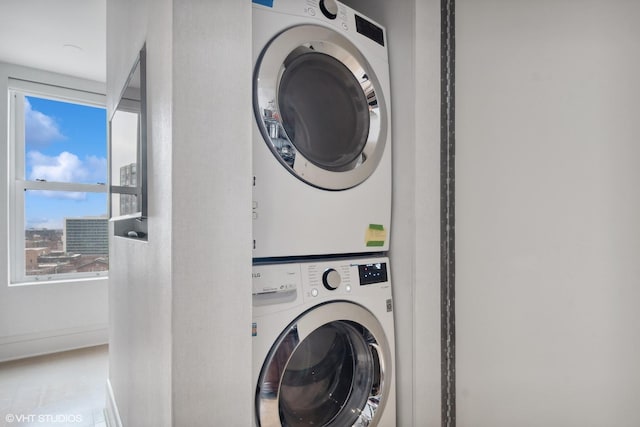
(331, 279)
(329, 8)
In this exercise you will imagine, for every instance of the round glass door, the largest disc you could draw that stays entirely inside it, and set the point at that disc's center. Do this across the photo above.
(324, 112)
(319, 107)
(333, 376)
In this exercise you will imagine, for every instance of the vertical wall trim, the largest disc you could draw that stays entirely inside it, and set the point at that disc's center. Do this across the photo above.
(447, 213)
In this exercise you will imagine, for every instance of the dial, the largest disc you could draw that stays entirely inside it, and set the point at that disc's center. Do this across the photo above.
(331, 279)
(329, 8)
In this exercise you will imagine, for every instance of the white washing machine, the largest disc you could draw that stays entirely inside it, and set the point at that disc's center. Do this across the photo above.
(322, 130)
(323, 344)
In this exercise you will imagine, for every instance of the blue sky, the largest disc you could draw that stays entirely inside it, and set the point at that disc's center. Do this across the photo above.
(64, 142)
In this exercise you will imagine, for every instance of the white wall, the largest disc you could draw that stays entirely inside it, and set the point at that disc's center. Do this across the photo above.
(48, 317)
(140, 290)
(180, 304)
(212, 194)
(548, 238)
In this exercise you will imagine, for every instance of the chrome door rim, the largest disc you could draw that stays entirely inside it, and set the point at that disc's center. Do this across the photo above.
(267, 77)
(298, 331)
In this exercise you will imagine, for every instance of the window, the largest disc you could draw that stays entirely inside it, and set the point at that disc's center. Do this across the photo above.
(58, 175)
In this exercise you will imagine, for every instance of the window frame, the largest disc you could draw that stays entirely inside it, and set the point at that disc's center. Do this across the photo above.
(18, 183)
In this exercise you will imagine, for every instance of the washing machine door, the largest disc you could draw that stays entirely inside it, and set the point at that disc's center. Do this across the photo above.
(330, 367)
(319, 107)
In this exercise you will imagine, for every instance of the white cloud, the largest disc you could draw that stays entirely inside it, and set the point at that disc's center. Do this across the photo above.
(67, 195)
(66, 167)
(40, 129)
(99, 167)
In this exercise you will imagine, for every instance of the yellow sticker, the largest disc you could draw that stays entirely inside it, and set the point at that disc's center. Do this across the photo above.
(375, 235)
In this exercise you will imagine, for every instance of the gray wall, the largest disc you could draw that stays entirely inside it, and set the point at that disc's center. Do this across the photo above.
(547, 244)
(413, 31)
(548, 238)
(178, 301)
(425, 259)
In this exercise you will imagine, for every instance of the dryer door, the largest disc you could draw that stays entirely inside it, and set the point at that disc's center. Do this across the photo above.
(330, 367)
(319, 107)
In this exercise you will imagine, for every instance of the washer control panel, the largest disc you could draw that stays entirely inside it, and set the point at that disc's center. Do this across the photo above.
(315, 280)
(326, 277)
(332, 279)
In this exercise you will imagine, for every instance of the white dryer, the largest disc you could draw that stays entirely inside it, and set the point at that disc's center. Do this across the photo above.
(322, 130)
(323, 344)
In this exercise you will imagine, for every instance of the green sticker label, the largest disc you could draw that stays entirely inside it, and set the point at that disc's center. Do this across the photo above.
(375, 235)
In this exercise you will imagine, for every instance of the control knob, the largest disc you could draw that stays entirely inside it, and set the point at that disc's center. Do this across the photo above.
(331, 279)
(329, 8)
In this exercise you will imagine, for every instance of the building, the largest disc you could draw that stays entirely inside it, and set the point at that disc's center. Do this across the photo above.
(98, 264)
(32, 256)
(86, 236)
(128, 178)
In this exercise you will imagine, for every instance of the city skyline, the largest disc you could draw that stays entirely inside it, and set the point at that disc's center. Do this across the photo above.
(82, 246)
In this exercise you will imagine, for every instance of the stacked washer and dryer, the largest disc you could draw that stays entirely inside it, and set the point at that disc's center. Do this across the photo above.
(323, 330)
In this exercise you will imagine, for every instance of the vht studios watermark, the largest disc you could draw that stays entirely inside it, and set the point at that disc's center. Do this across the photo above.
(44, 418)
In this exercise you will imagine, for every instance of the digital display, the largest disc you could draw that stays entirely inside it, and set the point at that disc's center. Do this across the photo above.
(369, 29)
(373, 273)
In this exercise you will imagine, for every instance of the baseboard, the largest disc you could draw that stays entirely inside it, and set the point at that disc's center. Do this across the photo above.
(36, 344)
(112, 416)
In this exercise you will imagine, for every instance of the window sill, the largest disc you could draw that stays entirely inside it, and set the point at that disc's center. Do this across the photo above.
(61, 281)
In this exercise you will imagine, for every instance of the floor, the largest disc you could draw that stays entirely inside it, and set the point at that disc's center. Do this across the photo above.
(62, 389)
